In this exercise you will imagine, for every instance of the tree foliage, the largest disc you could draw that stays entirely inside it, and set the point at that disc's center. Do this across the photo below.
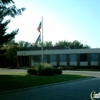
(7, 8)
(24, 44)
(10, 54)
(48, 44)
(73, 45)
(8, 47)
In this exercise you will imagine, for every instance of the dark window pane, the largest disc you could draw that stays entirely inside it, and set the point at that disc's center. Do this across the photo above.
(94, 57)
(63, 58)
(83, 57)
(53, 58)
(36, 58)
(44, 58)
(73, 58)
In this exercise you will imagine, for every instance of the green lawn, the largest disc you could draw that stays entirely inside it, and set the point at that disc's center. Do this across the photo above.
(12, 82)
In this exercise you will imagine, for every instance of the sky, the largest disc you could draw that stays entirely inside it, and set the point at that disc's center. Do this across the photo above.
(63, 20)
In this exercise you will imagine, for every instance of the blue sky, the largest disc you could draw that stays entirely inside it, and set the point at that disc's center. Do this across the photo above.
(67, 20)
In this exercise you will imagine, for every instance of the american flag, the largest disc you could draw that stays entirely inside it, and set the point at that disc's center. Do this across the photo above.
(38, 40)
(39, 27)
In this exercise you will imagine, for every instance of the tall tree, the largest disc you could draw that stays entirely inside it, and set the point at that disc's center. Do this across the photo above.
(22, 44)
(48, 44)
(62, 43)
(73, 45)
(7, 8)
(10, 53)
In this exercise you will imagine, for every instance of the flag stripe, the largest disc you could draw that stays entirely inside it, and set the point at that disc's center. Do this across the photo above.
(39, 27)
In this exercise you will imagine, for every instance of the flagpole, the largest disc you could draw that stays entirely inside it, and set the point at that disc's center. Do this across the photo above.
(42, 43)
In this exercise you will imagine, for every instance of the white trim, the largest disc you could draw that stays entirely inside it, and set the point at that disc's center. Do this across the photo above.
(53, 63)
(63, 63)
(94, 63)
(63, 51)
(83, 63)
(73, 63)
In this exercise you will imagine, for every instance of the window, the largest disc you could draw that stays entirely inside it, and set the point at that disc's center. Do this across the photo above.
(44, 58)
(73, 58)
(35, 58)
(94, 57)
(63, 58)
(53, 58)
(83, 57)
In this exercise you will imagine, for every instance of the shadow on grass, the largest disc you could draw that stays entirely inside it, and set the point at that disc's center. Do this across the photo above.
(12, 82)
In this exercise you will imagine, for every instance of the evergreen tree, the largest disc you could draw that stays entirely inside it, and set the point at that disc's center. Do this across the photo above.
(7, 8)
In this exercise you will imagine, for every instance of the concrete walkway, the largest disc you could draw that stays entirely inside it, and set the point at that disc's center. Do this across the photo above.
(76, 90)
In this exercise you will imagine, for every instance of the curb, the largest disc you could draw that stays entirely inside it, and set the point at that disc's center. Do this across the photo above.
(30, 88)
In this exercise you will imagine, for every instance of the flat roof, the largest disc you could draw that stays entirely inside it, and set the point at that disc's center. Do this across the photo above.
(45, 48)
(57, 51)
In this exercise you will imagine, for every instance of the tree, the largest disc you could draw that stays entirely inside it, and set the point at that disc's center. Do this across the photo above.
(23, 44)
(48, 44)
(10, 53)
(62, 43)
(11, 48)
(76, 45)
(7, 8)
(73, 45)
(86, 46)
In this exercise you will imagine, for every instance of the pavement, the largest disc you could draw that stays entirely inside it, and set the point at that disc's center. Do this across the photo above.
(86, 73)
(5, 71)
(74, 90)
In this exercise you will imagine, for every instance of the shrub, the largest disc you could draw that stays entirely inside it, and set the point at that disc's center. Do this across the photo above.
(58, 71)
(32, 71)
(47, 71)
(63, 68)
(71, 67)
(38, 66)
(47, 65)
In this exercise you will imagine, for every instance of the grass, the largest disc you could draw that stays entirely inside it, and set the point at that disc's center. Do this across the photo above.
(12, 82)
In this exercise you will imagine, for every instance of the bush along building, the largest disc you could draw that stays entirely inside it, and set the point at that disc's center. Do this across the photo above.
(59, 56)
